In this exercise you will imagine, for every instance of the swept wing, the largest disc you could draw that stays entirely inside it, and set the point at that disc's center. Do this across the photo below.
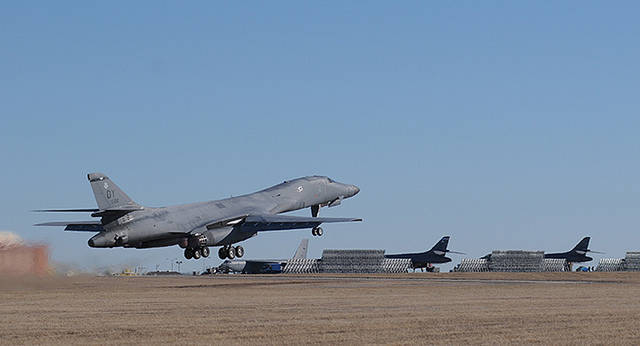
(259, 223)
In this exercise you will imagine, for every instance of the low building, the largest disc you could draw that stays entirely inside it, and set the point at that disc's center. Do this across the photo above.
(16, 258)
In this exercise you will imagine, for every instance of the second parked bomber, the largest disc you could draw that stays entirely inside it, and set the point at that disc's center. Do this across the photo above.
(425, 259)
(576, 255)
(196, 226)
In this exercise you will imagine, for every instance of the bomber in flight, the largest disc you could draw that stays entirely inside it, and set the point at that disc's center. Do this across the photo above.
(196, 226)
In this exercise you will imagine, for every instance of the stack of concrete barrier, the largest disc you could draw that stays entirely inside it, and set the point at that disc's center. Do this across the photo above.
(301, 266)
(632, 261)
(472, 265)
(610, 265)
(512, 261)
(555, 265)
(352, 261)
(516, 261)
(396, 265)
(348, 261)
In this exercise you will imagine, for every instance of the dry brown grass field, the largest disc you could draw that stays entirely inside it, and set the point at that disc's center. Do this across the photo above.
(446, 308)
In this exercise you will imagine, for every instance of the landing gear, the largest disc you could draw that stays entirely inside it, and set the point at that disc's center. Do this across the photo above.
(230, 252)
(316, 231)
(196, 253)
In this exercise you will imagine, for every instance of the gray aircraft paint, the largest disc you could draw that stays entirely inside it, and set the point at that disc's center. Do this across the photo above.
(301, 252)
(213, 223)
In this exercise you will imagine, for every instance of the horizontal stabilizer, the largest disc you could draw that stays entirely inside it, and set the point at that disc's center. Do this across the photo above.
(107, 215)
(78, 226)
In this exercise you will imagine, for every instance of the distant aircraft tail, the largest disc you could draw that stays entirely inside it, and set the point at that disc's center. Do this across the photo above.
(301, 253)
(441, 246)
(583, 246)
(108, 195)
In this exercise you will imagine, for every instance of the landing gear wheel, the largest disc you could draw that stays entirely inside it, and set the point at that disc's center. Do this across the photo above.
(239, 251)
(196, 253)
(188, 254)
(205, 252)
(319, 231)
(231, 253)
(313, 232)
(222, 253)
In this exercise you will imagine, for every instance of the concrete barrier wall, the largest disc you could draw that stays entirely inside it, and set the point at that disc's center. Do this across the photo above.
(630, 263)
(512, 261)
(348, 261)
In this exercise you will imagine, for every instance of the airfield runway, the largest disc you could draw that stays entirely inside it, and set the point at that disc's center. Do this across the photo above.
(421, 308)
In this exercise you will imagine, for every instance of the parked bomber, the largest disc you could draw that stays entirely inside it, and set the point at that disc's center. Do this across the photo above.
(424, 259)
(262, 266)
(575, 255)
(196, 226)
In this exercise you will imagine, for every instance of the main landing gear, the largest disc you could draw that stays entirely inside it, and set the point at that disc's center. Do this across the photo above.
(197, 252)
(316, 231)
(230, 252)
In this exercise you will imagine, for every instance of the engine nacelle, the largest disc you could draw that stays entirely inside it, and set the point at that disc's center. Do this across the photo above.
(109, 239)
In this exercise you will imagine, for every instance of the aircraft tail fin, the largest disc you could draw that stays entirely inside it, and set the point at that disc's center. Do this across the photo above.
(441, 246)
(583, 245)
(301, 253)
(108, 195)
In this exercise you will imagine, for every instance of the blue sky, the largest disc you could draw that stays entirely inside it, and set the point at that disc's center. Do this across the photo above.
(507, 125)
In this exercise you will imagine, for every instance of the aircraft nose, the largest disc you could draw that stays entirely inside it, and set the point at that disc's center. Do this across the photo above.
(354, 190)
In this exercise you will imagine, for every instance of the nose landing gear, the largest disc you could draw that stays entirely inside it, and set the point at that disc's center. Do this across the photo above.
(316, 231)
